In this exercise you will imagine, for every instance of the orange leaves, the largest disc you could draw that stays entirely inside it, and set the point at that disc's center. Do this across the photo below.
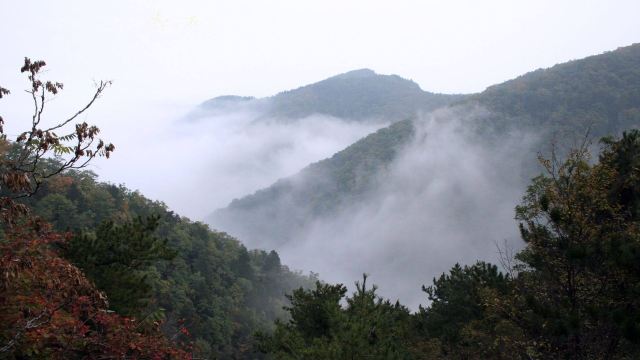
(60, 184)
(22, 170)
(16, 181)
(50, 309)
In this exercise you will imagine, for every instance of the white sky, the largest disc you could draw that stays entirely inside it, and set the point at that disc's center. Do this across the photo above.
(188, 51)
(167, 56)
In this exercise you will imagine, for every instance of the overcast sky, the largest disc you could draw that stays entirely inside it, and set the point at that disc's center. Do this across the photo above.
(165, 57)
(187, 51)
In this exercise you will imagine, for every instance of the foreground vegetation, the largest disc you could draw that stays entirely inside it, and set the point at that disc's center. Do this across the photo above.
(571, 293)
(94, 270)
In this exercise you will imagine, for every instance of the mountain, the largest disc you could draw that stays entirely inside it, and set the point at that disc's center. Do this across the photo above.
(600, 93)
(279, 211)
(220, 290)
(225, 104)
(357, 95)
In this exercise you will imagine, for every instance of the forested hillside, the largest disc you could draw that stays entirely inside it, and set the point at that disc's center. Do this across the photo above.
(359, 95)
(276, 213)
(320, 180)
(356, 95)
(93, 270)
(599, 94)
(213, 285)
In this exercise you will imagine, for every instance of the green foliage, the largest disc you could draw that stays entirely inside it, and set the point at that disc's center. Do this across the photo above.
(313, 312)
(50, 310)
(601, 93)
(572, 292)
(576, 293)
(216, 288)
(117, 258)
(320, 328)
(456, 300)
(623, 156)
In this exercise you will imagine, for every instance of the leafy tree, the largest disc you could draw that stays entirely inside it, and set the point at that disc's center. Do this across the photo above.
(50, 310)
(214, 287)
(24, 163)
(314, 312)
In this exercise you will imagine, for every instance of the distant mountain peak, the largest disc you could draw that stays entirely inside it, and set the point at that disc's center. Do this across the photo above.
(359, 95)
(227, 99)
(359, 73)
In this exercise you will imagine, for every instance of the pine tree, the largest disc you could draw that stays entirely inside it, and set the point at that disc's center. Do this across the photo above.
(117, 258)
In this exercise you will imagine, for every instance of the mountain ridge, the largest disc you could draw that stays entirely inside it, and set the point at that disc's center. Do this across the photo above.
(600, 93)
(357, 95)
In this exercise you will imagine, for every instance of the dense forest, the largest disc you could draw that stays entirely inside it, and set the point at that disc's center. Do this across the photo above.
(192, 276)
(600, 93)
(359, 95)
(202, 289)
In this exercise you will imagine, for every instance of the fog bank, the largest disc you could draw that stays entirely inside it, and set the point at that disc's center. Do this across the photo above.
(198, 163)
(449, 197)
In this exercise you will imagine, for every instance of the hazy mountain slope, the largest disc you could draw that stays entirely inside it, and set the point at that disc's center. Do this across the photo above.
(226, 103)
(601, 92)
(359, 94)
(280, 210)
(356, 95)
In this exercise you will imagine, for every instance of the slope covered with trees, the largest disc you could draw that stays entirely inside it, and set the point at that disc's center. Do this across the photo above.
(196, 278)
(599, 94)
(50, 308)
(287, 206)
(360, 95)
(95, 270)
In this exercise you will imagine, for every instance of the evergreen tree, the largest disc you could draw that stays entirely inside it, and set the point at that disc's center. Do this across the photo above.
(117, 259)
(577, 291)
(456, 302)
(320, 328)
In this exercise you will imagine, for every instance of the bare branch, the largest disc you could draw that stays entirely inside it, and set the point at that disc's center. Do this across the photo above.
(23, 174)
(506, 257)
(103, 85)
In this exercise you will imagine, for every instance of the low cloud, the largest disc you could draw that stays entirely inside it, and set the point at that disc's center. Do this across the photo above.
(201, 161)
(449, 197)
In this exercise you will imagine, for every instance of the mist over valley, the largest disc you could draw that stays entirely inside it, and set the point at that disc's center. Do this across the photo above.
(438, 188)
(320, 180)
